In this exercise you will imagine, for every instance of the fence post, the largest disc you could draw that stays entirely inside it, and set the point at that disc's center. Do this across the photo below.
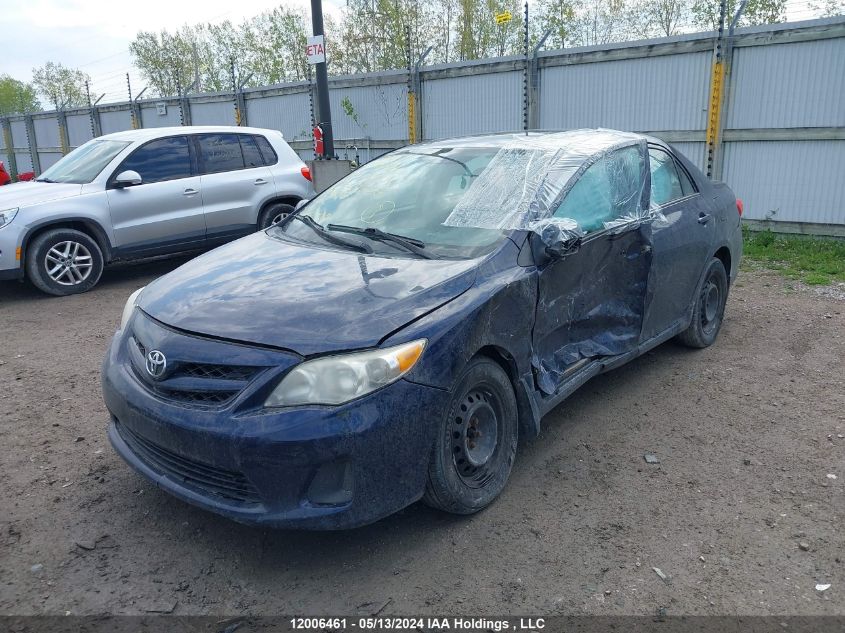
(10, 149)
(717, 81)
(32, 144)
(728, 54)
(64, 139)
(534, 85)
(525, 77)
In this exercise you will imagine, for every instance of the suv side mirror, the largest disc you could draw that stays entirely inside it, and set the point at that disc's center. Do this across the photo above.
(128, 178)
(301, 204)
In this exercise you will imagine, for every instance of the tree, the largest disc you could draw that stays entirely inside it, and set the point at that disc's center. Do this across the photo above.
(63, 87)
(166, 60)
(829, 8)
(559, 17)
(603, 21)
(706, 12)
(17, 97)
(666, 16)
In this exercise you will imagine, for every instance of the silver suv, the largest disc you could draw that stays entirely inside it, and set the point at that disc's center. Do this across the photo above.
(141, 193)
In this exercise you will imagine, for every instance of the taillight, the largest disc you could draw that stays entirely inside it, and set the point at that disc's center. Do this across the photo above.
(739, 206)
(306, 173)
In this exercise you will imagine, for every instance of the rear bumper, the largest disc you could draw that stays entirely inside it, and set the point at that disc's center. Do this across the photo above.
(310, 468)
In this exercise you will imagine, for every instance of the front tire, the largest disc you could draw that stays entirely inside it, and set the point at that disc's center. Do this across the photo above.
(476, 441)
(274, 214)
(64, 262)
(708, 308)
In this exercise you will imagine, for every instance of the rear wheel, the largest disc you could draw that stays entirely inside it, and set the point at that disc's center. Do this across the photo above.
(64, 262)
(476, 441)
(274, 214)
(709, 307)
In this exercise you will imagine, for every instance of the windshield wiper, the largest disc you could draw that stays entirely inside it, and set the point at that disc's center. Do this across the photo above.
(45, 180)
(320, 230)
(408, 243)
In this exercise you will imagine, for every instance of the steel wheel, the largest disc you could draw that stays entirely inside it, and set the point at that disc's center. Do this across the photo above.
(708, 306)
(475, 437)
(68, 263)
(711, 304)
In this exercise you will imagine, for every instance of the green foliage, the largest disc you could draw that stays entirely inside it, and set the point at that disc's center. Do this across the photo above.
(61, 87)
(17, 97)
(815, 261)
(706, 12)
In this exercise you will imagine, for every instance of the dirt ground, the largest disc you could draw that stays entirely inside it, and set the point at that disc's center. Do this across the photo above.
(742, 514)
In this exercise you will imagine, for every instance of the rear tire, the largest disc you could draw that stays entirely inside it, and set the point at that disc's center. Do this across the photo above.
(708, 308)
(476, 441)
(274, 214)
(64, 262)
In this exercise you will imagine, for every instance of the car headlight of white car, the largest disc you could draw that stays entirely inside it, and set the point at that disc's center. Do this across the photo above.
(7, 215)
(337, 379)
(129, 308)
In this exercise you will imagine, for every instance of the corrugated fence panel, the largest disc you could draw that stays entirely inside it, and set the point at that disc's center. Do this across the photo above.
(151, 118)
(78, 129)
(381, 111)
(800, 84)
(288, 113)
(24, 161)
(46, 132)
(791, 181)
(48, 159)
(19, 133)
(115, 121)
(647, 94)
(213, 113)
(696, 152)
(472, 104)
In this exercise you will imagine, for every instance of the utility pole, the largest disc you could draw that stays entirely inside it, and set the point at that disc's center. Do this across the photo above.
(324, 113)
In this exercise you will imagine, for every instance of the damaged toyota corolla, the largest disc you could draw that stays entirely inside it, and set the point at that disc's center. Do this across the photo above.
(397, 336)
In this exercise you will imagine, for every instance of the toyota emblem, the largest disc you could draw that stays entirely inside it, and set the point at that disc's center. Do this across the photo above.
(156, 363)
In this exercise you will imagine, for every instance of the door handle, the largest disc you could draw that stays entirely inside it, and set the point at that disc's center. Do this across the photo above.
(260, 181)
(190, 192)
(703, 218)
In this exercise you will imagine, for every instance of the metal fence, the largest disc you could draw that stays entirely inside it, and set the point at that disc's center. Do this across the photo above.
(778, 139)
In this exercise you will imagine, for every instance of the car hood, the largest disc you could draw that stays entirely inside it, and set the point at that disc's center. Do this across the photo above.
(26, 194)
(306, 299)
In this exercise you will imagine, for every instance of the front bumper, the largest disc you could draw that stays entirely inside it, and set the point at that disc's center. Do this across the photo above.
(310, 468)
(10, 241)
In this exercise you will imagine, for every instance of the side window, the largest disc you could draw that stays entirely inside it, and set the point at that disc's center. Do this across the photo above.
(665, 183)
(267, 151)
(252, 156)
(157, 161)
(220, 152)
(609, 189)
(686, 182)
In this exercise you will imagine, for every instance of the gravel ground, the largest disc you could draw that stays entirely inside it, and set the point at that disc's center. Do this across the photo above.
(742, 514)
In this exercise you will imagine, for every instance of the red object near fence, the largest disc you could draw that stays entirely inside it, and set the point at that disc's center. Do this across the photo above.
(5, 178)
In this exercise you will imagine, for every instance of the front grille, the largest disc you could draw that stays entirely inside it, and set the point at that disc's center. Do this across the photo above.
(227, 484)
(212, 396)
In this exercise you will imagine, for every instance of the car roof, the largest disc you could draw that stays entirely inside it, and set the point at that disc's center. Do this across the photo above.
(159, 132)
(599, 137)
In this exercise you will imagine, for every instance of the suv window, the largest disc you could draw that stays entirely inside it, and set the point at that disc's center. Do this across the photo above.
(267, 150)
(160, 160)
(220, 152)
(252, 155)
(609, 189)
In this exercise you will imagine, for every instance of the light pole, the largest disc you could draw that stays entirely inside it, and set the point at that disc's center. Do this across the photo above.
(324, 112)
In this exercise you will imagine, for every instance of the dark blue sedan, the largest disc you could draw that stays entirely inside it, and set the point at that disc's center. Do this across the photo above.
(396, 337)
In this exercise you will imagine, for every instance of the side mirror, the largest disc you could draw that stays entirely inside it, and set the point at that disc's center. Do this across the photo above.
(128, 178)
(301, 204)
(553, 243)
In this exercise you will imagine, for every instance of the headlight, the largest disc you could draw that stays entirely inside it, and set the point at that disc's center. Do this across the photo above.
(7, 215)
(338, 379)
(129, 308)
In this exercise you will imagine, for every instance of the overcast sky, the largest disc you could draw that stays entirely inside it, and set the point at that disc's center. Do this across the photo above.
(94, 35)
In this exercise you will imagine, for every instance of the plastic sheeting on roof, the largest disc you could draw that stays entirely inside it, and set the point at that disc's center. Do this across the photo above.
(523, 185)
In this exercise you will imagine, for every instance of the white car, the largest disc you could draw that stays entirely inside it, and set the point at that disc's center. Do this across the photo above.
(141, 193)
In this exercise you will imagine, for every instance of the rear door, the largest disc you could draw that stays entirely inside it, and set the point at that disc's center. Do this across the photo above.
(235, 183)
(591, 302)
(166, 209)
(682, 241)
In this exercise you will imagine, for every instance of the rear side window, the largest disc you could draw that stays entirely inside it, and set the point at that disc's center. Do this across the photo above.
(686, 182)
(157, 161)
(665, 182)
(220, 152)
(267, 150)
(252, 155)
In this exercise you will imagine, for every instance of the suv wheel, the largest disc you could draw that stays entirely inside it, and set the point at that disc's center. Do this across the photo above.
(274, 214)
(64, 262)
